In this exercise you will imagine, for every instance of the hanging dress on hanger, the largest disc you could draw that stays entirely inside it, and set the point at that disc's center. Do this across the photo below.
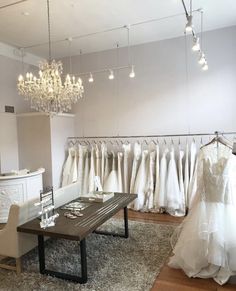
(67, 168)
(127, 170)
(103, 157)
(186, 174)
(157, 180)
(81, 155)
(174, 198)
(140, 182)
(97, 162)
(135, 165)
(193, 152)
(86, 173)
(111, 183)
(181, 180)
(206, 246)
(193, 186)
(73, 173)
(91, 186)
(119, 172)
(161, 199)
(107, 169)
(149, 189)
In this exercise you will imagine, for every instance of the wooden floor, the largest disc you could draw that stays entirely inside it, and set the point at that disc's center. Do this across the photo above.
(171, 279)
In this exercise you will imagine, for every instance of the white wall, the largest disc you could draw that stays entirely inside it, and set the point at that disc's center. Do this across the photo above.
(170, 93)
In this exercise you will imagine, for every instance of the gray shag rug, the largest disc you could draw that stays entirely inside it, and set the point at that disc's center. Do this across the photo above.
(114, 264)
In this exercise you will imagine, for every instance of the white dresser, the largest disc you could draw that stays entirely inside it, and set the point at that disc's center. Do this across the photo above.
(18, 189)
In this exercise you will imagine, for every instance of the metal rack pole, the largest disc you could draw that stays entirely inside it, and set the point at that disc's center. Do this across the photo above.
(152, 136)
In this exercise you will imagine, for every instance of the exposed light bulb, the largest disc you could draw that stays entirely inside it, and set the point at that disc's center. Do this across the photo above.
(132, 73)
(202, 59)
(20, 78)
(111, 75)
(205, 66)
(90, 79)
(189, 24)
(196, 44)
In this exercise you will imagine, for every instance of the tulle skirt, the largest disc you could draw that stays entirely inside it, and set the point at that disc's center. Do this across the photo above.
(206, 246)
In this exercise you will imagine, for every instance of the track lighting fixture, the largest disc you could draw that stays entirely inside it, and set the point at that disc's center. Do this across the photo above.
(111, 75)
(202, 59)
(196, 40)
(189, 24)
(196, 44)
(90, 79)
(205, 66)
(132, 73)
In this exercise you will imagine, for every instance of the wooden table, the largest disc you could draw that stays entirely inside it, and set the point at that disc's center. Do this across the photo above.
(78, 229)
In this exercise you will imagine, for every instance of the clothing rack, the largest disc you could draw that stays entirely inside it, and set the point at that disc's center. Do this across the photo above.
(153, 136)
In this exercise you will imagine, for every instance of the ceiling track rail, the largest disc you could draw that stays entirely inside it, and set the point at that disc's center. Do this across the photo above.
(111, 29)
(13, 4)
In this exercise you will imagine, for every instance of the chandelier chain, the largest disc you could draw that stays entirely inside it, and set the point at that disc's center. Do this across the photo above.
(49, 32)
(47, 92)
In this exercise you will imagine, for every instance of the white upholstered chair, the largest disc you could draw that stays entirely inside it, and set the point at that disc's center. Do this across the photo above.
(14, 244)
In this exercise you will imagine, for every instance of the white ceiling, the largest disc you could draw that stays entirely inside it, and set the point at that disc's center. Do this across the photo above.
(71, 18)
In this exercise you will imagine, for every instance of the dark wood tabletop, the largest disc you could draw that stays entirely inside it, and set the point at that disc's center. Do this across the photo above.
(93, 216)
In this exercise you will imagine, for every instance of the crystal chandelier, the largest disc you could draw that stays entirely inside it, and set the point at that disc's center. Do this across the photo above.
(47, 93)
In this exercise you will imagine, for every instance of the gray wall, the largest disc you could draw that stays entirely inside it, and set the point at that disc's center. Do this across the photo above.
(34, 142)
(9, 71)
(61, 127)
(170, 93)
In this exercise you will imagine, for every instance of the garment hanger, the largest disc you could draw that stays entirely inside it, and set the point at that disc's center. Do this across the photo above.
(218, 139)
(154, 142)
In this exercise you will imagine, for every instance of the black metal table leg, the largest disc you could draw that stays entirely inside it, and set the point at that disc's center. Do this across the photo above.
(126, 222)
(41, 253)
(83, 256)
(79, 279)
(126, 225)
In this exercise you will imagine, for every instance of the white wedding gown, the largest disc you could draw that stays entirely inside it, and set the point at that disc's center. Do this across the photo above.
(186, 174)
(135, 166)
(149, 192)
(161, 199)
(67, 168)
(175, 199)
(140, 182)
(127, 167)
(111, 183)
(206, 246)
(157, 180)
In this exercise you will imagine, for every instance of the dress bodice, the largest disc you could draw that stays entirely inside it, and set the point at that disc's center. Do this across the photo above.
(216, 168)
(216, 180)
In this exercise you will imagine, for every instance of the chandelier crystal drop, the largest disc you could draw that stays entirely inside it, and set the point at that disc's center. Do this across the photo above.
(47, 92)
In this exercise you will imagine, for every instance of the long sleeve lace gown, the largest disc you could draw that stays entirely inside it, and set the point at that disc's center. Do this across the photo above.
(206, 245)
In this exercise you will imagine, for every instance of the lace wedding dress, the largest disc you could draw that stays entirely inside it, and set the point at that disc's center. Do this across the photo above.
(206, 245)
